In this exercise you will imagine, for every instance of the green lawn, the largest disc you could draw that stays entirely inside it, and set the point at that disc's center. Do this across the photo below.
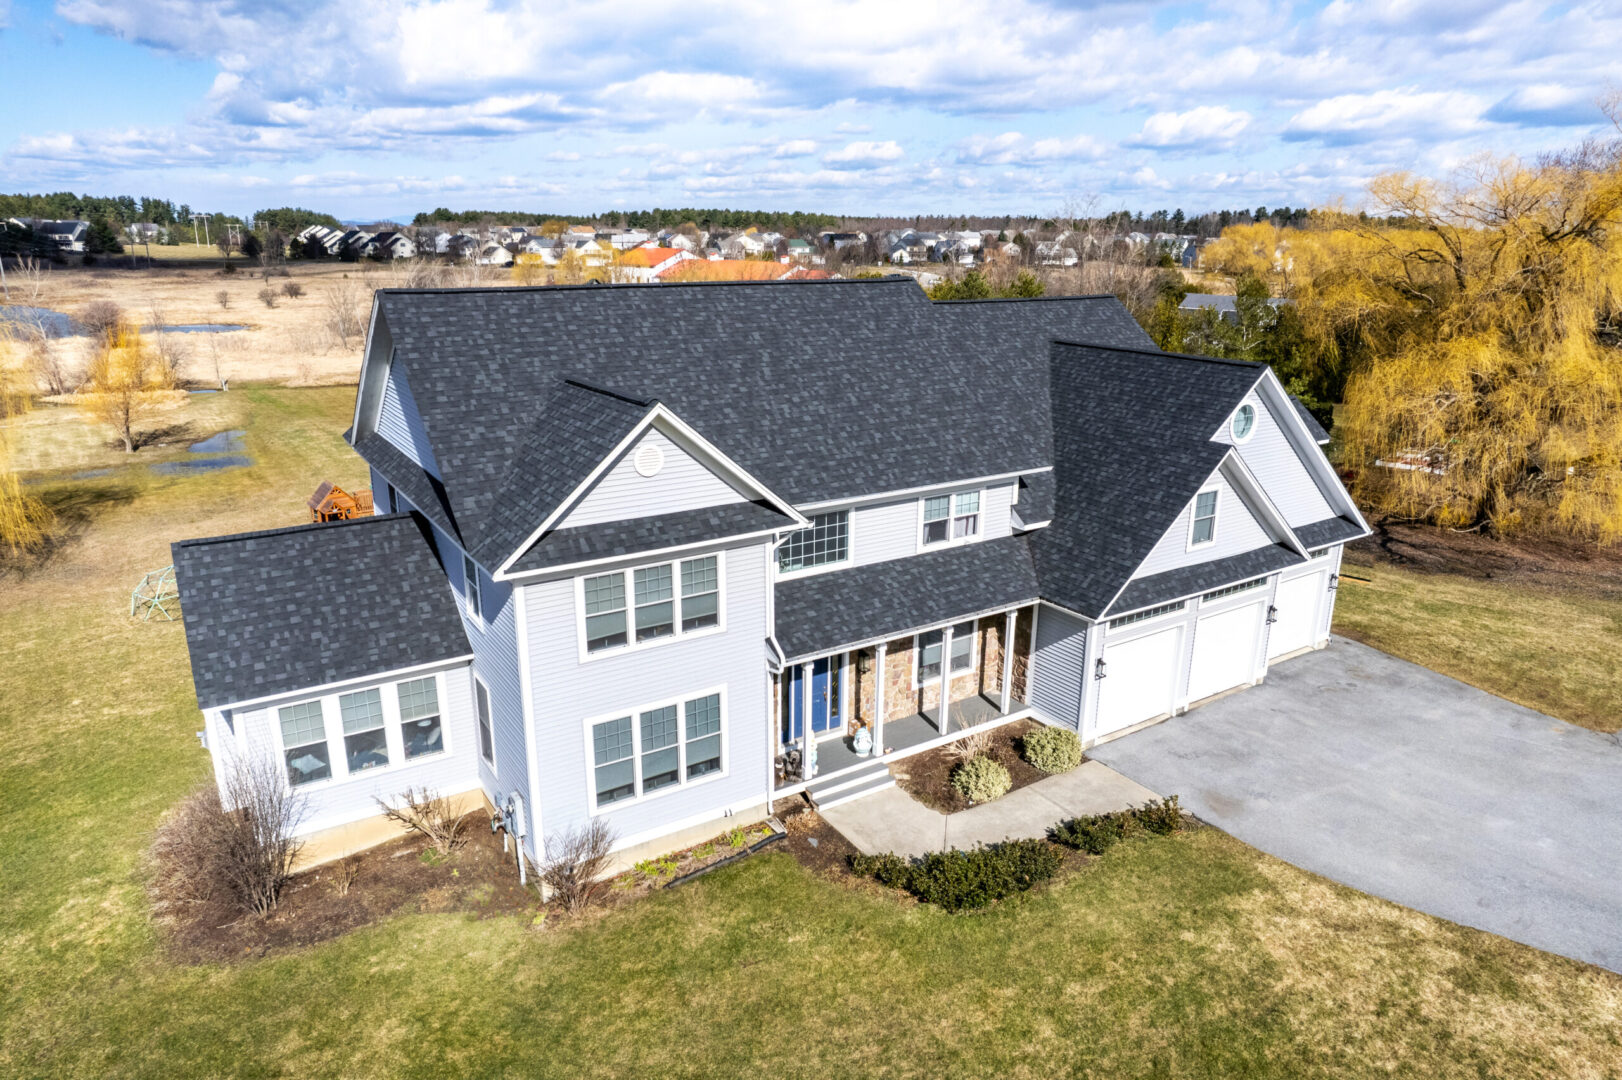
(1194, 956)
(1551, 649)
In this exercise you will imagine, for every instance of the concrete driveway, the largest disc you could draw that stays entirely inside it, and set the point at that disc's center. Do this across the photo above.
(1412, 786)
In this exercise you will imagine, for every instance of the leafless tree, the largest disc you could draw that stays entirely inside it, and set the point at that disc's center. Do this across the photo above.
(577, 861)
(28, 279)
(343, 312)
(102, 318)
(267, 296)
(429, 813)
(224, 299)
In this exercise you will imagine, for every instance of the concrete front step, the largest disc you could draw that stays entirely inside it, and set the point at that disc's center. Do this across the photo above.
(851, 792)
(832, 790)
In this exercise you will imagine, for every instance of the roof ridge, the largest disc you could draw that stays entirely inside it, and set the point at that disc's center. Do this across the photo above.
(1024, 299)
(310, 526)
(1162, 353)
(887, 279)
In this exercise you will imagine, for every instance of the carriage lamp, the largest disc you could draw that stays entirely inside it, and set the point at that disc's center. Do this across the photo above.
(1272, 614)
(1100, 669)
(1334, 582)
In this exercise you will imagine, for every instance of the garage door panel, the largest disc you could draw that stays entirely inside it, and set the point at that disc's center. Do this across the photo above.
(1296, 607)
(1225, 646)
(1140, 679)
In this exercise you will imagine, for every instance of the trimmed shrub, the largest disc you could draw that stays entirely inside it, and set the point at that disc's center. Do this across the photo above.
(1160, 817)
(961, 880)
(1052, 749)
(982, 779)
(1096, 833)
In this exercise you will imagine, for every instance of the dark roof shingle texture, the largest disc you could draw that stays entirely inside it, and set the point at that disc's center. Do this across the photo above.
(612, 539)
(270, 613)
(1203, 577)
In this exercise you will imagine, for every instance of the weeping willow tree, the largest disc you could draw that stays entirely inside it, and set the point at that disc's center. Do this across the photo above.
(1476, 342)
(126, 385)
(24, 519)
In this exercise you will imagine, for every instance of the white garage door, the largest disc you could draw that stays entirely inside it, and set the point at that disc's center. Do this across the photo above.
(1295, 623)
(1140, 679)
(1225, 649)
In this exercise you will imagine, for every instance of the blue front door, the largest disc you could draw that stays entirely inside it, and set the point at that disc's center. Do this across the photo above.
(824, 700)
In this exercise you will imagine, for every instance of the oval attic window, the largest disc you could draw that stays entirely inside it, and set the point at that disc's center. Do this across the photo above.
(1244, 421)
(649, 460)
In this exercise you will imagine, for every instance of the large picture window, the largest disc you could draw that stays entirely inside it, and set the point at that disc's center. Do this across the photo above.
(655, 611)
(951, 517)
(656, 748)
(826, 541)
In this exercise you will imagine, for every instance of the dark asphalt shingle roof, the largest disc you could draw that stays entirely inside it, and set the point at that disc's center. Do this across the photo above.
(1131, 446)
(1035, 498)
(1203, 577)
(821, 612)
(1319, 435)
(611, 539)
(815, 388)
(1335, 530)
(276, 612)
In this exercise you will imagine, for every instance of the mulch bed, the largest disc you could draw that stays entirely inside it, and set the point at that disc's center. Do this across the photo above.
(401, 876)
(1565, 564)
(927, 776)
(817, 845)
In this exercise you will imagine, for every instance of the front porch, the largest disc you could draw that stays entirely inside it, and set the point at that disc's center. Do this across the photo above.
(888, 697)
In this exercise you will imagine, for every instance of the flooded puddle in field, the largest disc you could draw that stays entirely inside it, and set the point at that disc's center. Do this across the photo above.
(194, 328)
(225, 442)
(207, 464)
(52, 324)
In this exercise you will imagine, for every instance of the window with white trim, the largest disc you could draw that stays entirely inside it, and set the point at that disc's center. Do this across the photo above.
(421, 730)
(304, 743)
(951, 517)
(927, 648)
(470, 587)
(655, 611)
(826, 541)
(1229, 590)
(487, 734)
(659, 747)
(1147, 613)
(366, 743)
(1202, 529)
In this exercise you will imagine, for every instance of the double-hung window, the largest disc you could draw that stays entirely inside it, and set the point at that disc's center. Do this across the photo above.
(929, 652)
(951, 517)
(655, 610)
(827, 541)
(655, 748)
(420, 730)
(304, 743)
(366, 743)
(470, 585)
(487, 734)
(1203, 528)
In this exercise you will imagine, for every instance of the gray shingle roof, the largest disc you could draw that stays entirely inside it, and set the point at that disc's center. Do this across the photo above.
(815, 388)
(1035, 499)
(1319, 435)
(1131, 445)
(1203, 577)
(276, 612)
(612, 539)
(1335, 530)
(822, 612)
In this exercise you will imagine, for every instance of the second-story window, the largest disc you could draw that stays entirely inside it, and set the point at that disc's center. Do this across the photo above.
(951, 517)
(826, 541)
(470, 580)
(1203, 528)
(642, 605)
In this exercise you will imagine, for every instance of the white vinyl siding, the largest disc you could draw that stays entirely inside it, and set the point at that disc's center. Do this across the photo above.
(1058, 667)
(1237, 531)
(890, 530)
(1270, 455)
(622, 494)
(399, 422)
(649, 606)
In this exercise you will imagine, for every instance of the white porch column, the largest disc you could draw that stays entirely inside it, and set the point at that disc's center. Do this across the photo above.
(878, 700)
(946, 680)
(1008, 658)
(805, 721)
(847, 668)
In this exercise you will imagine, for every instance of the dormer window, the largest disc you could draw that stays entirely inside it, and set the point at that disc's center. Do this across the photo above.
(1202, 530)
(951, 517)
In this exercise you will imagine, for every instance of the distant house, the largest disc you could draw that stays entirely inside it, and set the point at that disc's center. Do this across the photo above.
(390, 245)
(842, 240)
(646, 264)
(1055, 253)
(1225, 306)
(494, 254)
(146, 232)
(742, 246)
(69, 236)
(627, 239)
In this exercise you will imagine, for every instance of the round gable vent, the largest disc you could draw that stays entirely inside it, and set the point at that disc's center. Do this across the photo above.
(649, 460)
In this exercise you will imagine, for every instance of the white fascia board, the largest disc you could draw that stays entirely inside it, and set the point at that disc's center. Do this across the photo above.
(1318, 463)
(1256, 498)
(365, 367)
(901, 493)
(683, 433)
(914, 630)
(327, 688)
(654, 555)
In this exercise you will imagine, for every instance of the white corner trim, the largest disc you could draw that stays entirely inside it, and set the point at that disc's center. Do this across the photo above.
(527, 713)
(1255, 497)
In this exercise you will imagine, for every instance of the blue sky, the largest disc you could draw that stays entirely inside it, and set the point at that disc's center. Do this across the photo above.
(374, 108)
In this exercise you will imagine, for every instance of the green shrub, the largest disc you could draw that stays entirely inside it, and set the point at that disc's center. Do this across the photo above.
(1052, 749)
(1096, 833)
(981, 779)
(1160, 817)
(960, 880)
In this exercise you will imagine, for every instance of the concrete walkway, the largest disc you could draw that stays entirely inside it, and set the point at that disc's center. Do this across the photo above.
(891, 820)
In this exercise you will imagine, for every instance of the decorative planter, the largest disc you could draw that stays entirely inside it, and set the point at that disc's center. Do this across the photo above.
(863, 742)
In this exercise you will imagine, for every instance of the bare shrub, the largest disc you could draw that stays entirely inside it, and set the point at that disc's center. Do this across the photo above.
(171, 356)
(102, 318)
(243, 855)
(224, 298)
(268, 296)
(429, 813)
(343, 312)
(417, 273)
(28, 278)
(346, 873)
(577, 861)
(971, 746)
(292, 290)
(46, 364)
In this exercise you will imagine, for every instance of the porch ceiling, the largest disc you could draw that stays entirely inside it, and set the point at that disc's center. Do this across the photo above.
(823, 613)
